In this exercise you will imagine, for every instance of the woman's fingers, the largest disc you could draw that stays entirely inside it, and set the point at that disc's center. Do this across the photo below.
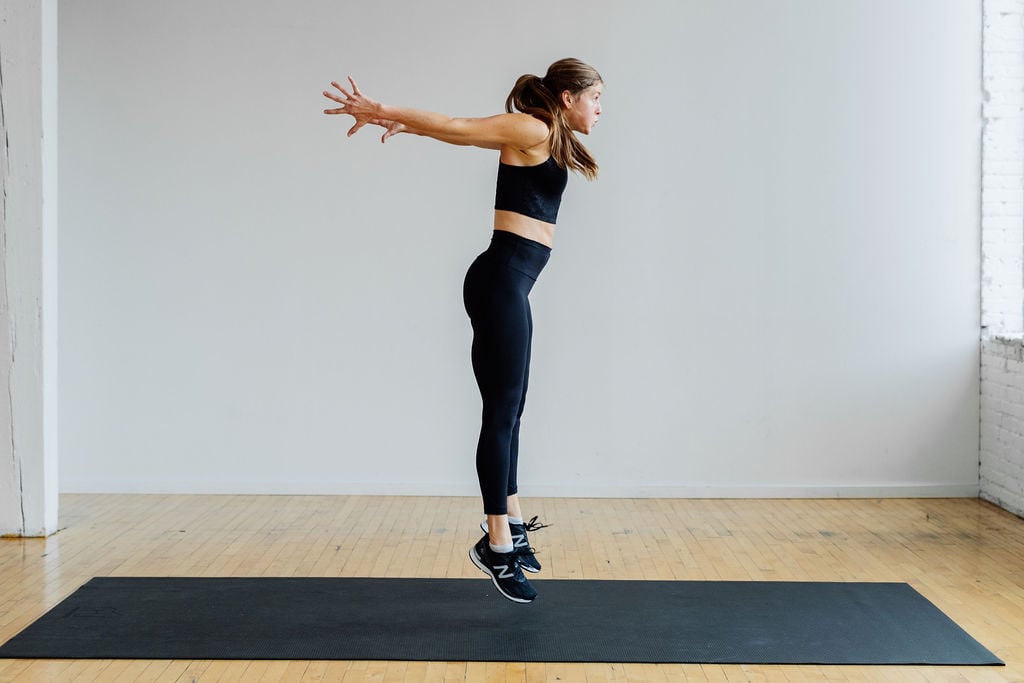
(343, 91)
(392, 128)
(352, 103)
(353, 129)
(353, 100)
(332, 96)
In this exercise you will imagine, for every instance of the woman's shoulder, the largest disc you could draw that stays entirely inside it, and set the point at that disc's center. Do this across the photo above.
(533, 140)
(528, 124)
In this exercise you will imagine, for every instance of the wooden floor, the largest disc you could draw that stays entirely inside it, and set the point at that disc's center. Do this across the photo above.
(964, 555)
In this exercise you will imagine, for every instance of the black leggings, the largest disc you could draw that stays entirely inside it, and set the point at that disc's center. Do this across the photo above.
(496, 297)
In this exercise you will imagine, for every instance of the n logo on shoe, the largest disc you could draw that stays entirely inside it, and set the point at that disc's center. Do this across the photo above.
(505, 573)
(519, 541)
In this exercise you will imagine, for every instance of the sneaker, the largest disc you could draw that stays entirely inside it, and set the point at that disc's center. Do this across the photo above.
(503, 568)
(521, 542)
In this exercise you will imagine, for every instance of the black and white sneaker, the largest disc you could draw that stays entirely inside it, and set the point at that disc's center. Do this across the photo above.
(503, 568)
(521, 542)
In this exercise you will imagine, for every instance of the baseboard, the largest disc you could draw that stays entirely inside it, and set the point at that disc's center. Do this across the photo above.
(894, 490)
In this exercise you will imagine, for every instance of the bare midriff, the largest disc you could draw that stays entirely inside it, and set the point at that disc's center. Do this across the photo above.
(524, 226)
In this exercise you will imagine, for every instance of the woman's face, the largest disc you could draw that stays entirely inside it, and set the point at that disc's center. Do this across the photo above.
(582, 109)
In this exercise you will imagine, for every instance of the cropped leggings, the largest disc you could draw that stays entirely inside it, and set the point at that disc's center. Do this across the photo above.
(496, 293)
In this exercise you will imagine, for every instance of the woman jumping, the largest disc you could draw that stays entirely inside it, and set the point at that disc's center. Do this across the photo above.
(538, 146)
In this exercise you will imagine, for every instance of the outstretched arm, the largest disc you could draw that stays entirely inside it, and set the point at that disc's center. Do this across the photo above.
(518, 130)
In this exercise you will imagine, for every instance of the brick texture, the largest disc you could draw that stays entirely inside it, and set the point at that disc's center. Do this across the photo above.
(1002, 318)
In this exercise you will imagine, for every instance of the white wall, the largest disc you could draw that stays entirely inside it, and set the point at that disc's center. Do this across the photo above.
(1002, 361)
(1002, 423)
(772, 289)
(28, 268)
(1002, 201)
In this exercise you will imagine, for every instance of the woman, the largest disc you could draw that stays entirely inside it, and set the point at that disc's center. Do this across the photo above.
(537, 147)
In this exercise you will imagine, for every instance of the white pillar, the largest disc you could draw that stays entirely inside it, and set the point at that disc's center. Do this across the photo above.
(1002, 200)
(28, 267)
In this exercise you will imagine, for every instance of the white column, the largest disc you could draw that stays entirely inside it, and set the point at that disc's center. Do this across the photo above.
(1002, 249)
(1002, 198)
(28, 267)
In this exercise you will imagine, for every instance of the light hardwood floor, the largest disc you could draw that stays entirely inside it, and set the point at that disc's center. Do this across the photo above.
(966, 556)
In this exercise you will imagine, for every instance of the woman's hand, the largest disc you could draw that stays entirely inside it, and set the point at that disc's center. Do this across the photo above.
(360, 107)
(391, 128)
(521, 131)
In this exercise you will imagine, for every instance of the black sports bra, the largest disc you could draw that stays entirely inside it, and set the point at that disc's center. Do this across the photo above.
(534, 191)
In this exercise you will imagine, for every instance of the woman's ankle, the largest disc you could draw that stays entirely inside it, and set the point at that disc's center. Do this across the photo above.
(498, 532)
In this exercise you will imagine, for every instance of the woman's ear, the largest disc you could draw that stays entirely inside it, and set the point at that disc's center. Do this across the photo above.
(566, 99)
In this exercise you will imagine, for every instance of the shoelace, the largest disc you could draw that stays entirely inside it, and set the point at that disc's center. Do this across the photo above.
(532, 525)
(525, 550)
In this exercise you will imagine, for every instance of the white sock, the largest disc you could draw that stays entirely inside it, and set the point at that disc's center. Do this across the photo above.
(515, 520)
(501, 548)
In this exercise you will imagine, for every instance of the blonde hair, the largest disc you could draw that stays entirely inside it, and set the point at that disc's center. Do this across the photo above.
(541, 98)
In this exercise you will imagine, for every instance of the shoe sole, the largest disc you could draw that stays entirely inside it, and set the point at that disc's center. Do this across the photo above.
(483, 567)
(532, 570)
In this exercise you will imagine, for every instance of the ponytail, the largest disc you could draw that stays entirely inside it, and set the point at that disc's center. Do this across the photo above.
(539, 97)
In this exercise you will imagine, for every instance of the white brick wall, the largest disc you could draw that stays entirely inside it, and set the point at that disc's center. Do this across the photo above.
(1002, 317)
(1003, 168)
(1002, 423)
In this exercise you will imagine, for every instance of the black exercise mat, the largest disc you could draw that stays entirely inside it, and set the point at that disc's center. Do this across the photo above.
(465, 620)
